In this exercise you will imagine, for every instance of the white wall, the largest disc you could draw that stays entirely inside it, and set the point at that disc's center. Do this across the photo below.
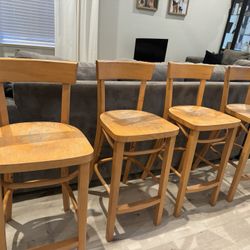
(200, 30)
(108, 29)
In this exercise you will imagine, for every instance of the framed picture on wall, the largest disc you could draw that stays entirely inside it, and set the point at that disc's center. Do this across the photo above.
(178, 7)
(147, 4)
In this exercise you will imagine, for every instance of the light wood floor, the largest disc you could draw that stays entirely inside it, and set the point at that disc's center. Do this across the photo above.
(225, 226)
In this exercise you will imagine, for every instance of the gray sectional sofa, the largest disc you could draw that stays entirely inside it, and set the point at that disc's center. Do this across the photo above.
(41, 102)
(228, 57)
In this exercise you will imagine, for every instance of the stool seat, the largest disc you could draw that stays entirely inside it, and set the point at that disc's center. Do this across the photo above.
(135, 125)
(201, 118)
(42, 145)
(241, 111)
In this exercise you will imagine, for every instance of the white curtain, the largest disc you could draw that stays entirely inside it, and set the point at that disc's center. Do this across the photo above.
(89, 30)
(76, 29)
(66, 29)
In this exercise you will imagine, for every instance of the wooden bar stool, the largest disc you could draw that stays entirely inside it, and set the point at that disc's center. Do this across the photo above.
(242, 112)
(192, 120)
(34, 146)
(130, 126)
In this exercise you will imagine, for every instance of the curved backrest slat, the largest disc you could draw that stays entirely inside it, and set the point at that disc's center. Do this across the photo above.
(32, 70)
(234, 73)
(122, 70)
(200, 72)
(189, 71)
(239, 73)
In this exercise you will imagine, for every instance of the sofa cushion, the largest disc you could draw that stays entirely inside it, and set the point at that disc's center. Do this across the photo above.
(160, 72)
(242, 62)
(231, 56)
(212, 58)
(218, 73)
(194, 59)
(86, 71)
(34, 55)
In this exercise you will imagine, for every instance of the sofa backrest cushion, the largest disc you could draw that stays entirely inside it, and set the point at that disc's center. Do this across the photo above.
(34, 55)
(85, 71)
(242, 62)
(218, 73)
(231, 56)
(160, 72)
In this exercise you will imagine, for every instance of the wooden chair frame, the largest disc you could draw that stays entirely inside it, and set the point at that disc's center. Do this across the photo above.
(203, 73)
(113, 70)
(234, 73)
(52, 72)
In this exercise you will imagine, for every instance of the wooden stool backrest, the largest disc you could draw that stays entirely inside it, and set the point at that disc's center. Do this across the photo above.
(200, 72)
(37, 71)
(234, 73)
(122, 70)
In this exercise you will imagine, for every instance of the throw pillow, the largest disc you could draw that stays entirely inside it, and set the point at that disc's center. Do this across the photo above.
(231, 56)
(8, 89)
(212, 58)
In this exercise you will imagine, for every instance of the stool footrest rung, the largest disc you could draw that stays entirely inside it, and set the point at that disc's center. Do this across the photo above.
(202, 187)
(144, 152)
(40, 182)
(61, 245)
(214, 166)
(104, 183)
(175, 171)
(138, 205)
(233, 164)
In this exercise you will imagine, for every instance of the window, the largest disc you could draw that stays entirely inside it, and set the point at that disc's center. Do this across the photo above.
(25, 22)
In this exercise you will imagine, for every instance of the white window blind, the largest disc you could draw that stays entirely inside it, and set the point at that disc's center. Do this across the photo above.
(27, 22)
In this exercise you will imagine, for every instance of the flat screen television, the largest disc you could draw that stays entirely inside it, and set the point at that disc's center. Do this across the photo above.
(150, 49)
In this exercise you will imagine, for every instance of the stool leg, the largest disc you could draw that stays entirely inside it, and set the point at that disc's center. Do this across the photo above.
(8, 214)
(223, 163)
(83, 184)
(114, 188)
(99, 139)
(65, 195)
(181, 165)
(128, 164)
(3, 245)
(188, 159)
(166, 164)
(240, 168)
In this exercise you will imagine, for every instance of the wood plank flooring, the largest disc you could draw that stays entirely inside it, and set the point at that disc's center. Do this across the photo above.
(225, 226)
